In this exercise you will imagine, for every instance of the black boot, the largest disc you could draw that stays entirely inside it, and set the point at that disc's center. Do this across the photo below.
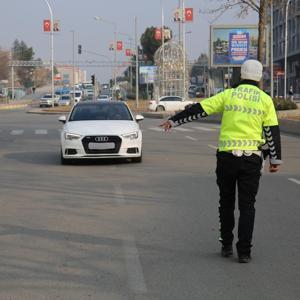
(244, 258)
(226, 250)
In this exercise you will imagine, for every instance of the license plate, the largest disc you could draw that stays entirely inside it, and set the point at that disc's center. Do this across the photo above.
(101, 146)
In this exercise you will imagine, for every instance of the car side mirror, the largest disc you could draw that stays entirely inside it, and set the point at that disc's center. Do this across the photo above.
(62, 119)
(139, 118)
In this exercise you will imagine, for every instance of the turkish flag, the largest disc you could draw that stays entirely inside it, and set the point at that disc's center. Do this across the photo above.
(47, 25)
(189, 14)
(119, 45)
(157, 34)
(128, 52)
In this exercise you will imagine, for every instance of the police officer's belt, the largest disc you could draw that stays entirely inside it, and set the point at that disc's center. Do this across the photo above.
(239, 153)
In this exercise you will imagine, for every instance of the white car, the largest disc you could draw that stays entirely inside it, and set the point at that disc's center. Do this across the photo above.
(169, 103)
(104, 97)
(101, 129)
(64, 100)
(78, 95)
(48, 101)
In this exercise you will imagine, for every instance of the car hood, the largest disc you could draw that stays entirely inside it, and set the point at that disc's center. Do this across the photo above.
(101, 127)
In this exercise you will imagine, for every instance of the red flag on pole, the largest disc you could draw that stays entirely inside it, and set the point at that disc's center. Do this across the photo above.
(119, 45)
(47, 25)
(189, 14)
(157, 34)
(128, 52)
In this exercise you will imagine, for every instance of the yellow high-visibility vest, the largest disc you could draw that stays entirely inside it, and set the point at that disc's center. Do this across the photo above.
(246, 109)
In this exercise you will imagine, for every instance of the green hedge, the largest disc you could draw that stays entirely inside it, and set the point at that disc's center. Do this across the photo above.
(284, 104)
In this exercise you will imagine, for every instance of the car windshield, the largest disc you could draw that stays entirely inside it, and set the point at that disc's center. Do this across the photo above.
(105, 111)
(65, 98)
(48, 96)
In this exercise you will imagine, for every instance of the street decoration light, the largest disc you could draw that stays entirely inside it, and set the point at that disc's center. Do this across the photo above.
(97, 18)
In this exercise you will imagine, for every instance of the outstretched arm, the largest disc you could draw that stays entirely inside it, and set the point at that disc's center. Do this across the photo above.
(191, 113)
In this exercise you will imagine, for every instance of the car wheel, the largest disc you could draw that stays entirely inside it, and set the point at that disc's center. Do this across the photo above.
(160, 108)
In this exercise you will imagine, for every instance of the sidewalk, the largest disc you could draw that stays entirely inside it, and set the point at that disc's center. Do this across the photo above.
(15, 104)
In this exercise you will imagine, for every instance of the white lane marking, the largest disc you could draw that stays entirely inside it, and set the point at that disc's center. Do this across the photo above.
(212, 146)
(156, 129)
(183, 129)
(294, 180)
(118, 195)
(204, 128)
(41, 131)
(135, 274)
(191, 138)
(17, 132)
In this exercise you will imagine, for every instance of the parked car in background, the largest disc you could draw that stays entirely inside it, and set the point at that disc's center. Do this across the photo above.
(101, 129)
(48, 101)
(169, 103)
(64, 100)
(78, 95)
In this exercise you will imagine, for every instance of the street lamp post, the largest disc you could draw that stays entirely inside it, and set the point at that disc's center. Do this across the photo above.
(52, 50)
(97, 18)
(73, 67)
(286, 47)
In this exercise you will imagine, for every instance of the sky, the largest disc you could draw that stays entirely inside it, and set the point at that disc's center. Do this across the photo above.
(23, 20)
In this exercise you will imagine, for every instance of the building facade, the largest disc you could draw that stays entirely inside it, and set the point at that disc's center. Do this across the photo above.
(293, 56)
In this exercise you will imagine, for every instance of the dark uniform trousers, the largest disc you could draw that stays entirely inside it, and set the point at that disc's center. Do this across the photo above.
(242, 173)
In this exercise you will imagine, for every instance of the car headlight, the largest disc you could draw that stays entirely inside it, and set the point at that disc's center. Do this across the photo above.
(71, 136)
(131, 136)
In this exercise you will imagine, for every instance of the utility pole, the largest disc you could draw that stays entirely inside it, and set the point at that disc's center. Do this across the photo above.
(286, 47)
(136, 64)
(52, 51)
(163, 48)
(272, 50)
(183, 48)
(73, 67)
(12, 82)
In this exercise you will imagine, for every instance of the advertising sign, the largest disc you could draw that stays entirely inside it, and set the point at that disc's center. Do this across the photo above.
(56, 25)
(232, 45)
(147, 74)
(238, 47)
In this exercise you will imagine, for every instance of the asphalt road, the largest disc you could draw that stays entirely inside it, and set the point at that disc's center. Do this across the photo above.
(136, 231)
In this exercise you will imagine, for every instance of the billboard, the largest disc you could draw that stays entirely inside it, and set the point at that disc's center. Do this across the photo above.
(147, 74)
(232, 45)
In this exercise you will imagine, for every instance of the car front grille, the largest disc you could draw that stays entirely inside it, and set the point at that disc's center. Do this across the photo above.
(101, 139)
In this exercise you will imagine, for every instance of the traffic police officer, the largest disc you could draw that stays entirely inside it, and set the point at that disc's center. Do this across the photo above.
(249, 121)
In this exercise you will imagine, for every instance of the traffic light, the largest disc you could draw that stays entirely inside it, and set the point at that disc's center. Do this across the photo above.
(93, 79)
(79, 49)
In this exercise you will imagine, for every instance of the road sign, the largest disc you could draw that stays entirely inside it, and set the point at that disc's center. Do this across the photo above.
(47, 25)
(189, 14)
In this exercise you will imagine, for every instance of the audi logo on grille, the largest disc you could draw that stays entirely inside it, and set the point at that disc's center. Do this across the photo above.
(101, 138)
